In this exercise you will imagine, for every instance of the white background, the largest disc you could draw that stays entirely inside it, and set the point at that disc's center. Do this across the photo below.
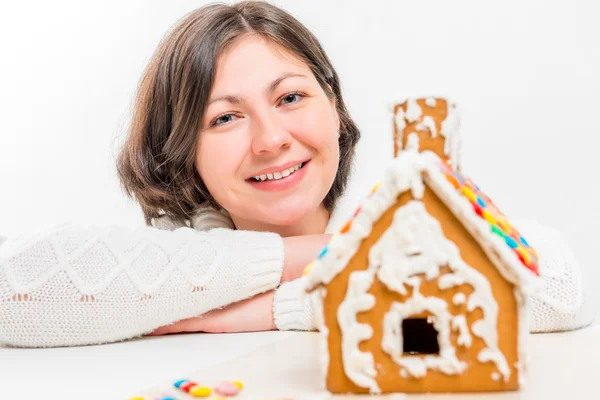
(526, 75)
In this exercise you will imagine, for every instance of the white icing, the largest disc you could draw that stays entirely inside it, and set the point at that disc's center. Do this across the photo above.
(495, 376)
(459, 299)
(413, 111)
(400, 125)
(450, 132)
(430, 102)
(417, 366)
(497, 358)
(449, 280)
(429, 124)
(459, 323)
(412, 143)
(358, 365)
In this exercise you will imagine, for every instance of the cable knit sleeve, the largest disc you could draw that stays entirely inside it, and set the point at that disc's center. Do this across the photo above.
(561, 303)
(75, 285)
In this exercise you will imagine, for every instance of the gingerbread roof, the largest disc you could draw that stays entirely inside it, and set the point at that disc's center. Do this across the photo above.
(503, 244)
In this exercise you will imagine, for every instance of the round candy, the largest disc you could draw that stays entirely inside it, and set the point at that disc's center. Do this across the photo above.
(524, 254)
(239, 384)
(453, 181)
(187, 386)
(308, 268)
(179, 383)
(489, 217)
(478, 209)
(323, 252)
(200, 391)
(346, 227)
(468, 193)
(480, 201)
(227, 389)
(510, 241)
(497, 231)
(375, 187)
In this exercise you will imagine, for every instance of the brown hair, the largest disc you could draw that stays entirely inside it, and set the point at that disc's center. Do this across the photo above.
(157, 163)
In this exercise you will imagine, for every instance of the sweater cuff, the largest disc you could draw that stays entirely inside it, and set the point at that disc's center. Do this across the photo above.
(265, 258)
(292, 307)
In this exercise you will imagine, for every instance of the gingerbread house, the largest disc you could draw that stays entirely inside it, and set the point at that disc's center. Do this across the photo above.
(425, 288)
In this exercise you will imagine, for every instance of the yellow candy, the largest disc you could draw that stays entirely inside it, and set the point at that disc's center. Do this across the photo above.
(504, 224)
(307, 270)
(375, 187)
(136, 398)
(200, 391)
(488, 217)
(469, 193)
(535, 253)
(239, 384)
(525, 254)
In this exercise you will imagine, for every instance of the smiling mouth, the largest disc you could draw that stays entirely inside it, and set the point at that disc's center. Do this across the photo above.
(278, 175)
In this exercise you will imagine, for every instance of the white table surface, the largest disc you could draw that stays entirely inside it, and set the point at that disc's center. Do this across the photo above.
(117, 371)
(276, 364)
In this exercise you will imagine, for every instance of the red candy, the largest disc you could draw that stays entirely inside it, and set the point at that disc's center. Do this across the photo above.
(187, 386)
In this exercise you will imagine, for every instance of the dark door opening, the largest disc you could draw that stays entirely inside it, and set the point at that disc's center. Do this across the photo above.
(419, 337)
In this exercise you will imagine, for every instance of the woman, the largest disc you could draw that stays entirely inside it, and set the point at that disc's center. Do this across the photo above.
(242, 145)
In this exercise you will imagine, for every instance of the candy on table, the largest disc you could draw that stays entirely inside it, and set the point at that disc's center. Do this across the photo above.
(227, 389)
(192, 388)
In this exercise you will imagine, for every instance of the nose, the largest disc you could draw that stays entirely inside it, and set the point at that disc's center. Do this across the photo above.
(269, 135)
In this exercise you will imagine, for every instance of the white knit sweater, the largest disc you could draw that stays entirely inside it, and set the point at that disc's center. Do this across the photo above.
(75, 285)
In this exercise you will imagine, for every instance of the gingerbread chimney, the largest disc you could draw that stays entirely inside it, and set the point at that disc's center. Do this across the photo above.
(431, 124)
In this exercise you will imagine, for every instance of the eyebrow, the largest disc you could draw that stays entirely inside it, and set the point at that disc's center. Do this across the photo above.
(271, 88)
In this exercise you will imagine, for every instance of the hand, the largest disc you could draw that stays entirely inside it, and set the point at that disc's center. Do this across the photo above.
(251, 315)
(299, 251)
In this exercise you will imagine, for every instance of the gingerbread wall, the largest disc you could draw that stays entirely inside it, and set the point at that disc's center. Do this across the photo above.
(477, 377)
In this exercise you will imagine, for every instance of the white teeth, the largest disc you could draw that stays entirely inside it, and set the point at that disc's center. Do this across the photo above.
(278, 175)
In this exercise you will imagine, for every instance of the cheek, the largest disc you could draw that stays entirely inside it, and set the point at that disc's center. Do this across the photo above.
(217, 161)
(317, 128)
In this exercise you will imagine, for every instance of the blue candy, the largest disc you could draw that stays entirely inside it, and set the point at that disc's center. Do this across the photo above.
(480, 202)
(179, 383)
(510, 241)
(323, 252)
(524, 241)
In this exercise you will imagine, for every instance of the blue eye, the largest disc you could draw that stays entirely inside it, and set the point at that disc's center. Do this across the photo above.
(223, 119)
(291, 98)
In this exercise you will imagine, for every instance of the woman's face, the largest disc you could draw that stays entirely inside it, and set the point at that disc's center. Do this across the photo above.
(268, 149)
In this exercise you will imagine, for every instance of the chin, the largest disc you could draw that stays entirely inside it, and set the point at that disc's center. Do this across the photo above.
(286, 216)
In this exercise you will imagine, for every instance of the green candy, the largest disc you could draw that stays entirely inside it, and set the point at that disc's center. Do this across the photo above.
(497, 231)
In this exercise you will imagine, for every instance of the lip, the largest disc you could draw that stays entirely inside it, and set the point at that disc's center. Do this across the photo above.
(279, 168)
(282, 184)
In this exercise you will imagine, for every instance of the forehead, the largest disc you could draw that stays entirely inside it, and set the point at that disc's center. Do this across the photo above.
(254, 61)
